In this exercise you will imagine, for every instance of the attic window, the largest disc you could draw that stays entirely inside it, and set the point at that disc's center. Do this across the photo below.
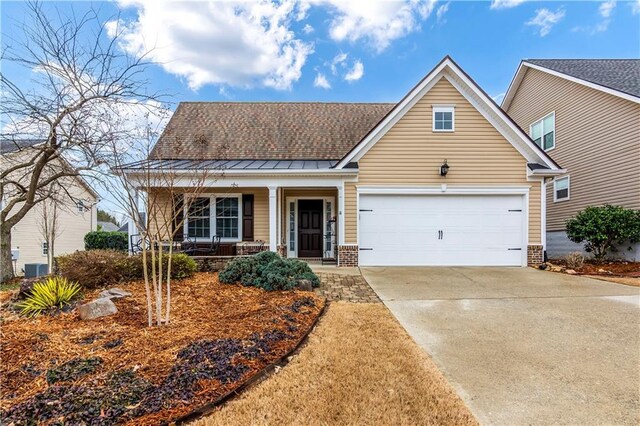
(543, 132)
(443, 118)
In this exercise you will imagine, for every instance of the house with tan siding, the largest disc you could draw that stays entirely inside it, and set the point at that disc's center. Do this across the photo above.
(73, 215)
(442, 177)
(586, 114)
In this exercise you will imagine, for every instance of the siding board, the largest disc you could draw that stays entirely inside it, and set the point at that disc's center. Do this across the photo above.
(410, 153)
(597, 141)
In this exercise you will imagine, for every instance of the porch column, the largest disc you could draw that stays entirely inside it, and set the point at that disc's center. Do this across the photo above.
(273, 219)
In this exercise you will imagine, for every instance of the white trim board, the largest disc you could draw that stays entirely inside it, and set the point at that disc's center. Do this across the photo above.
(469, 89)
(519, 75)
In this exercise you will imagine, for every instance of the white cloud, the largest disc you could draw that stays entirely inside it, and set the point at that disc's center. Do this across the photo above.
(307, 29)
(235, 43)
(505, 4)
(635, 7)
(376, 22)
(338, 61)
(356, 72)
(545, 19)
(321, 81)
(498, 98)
(606, 8)
(441, 12)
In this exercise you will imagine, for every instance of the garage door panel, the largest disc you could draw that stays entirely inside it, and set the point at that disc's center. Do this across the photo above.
(440, 230)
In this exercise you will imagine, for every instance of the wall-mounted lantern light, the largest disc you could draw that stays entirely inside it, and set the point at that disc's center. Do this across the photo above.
(444, 169)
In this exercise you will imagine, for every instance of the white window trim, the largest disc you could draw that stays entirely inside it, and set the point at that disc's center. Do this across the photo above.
(294, 199)
(443, 108)
(42, 248)
(212, 217)
(80, 207)
(541, 121)
(555, 191)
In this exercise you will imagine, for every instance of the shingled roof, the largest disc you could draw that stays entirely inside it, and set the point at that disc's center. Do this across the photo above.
(266, 130)
(618, 74)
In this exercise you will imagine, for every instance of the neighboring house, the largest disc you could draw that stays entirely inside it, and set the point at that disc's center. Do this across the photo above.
(586, 114)
(76, 215)
(108, 226)
(364, 183)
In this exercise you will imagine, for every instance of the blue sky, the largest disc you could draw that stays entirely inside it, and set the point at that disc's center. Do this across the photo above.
(211, 54)
(335, 50)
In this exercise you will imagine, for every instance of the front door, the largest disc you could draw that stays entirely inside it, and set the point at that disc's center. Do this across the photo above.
(310, 228)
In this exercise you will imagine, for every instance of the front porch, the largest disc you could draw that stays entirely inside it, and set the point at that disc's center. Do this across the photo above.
(225, 222)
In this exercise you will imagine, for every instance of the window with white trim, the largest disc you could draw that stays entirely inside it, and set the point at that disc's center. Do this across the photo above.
(443, 118)
(561, 189)
(45, 248)
(199, 218)
(80, 206)
(227, 217)
(543, 132)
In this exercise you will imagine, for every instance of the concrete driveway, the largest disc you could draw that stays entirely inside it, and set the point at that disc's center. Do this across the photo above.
(523, 346)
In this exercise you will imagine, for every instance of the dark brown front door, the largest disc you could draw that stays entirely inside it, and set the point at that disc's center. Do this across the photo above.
(310, 228)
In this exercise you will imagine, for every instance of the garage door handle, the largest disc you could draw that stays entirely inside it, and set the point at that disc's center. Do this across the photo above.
(365, 210)
(365, 248)
(515, 210)
(517, 248)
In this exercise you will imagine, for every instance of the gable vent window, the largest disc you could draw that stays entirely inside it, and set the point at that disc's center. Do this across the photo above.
(561, 189)
(543, 132)
(443, 118)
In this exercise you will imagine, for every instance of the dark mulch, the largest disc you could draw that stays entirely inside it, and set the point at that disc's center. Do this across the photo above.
(116, 370)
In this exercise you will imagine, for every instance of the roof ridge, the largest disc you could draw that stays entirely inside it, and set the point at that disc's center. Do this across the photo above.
(287, 102)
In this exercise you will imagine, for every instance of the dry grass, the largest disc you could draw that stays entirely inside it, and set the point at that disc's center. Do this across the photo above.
(358, 367)
(618, 280)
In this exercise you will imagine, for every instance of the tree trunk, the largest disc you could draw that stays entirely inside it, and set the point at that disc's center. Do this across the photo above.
(6, 264)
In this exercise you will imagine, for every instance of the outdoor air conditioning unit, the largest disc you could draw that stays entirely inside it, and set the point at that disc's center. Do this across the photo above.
(32, 270)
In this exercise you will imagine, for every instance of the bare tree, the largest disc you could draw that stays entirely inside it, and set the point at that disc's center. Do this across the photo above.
(155, 195)
(50, 227)
(79, 78)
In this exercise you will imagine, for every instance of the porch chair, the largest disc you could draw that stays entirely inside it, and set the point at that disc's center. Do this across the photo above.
(191, 248)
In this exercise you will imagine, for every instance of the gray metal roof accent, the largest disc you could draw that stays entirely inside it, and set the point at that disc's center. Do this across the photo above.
(622, 75)
(536, 166)
(265, 165)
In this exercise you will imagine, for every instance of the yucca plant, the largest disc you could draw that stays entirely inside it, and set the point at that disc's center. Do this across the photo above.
(55, 292)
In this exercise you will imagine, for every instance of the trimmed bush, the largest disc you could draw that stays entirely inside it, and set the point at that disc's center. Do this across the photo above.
(601, 228)
(100, 268)
(53, 293)
(102, 240)
(268, 271)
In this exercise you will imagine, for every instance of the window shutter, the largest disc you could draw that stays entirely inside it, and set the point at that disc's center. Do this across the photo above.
(247, 217)
(178, 217)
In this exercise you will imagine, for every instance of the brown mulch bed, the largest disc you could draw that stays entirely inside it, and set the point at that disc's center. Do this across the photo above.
(613, 268)
(161, 372)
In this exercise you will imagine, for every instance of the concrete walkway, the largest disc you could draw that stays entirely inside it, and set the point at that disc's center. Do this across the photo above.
(524, 346)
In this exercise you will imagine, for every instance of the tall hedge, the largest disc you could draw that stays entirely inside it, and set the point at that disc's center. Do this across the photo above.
(102, 240)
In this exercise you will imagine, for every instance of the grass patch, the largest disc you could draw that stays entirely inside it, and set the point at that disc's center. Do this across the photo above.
(358, 367)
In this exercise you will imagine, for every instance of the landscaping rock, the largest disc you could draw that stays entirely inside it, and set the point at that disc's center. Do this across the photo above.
(97, 308)
(304, 285)
(114, 293)
(26, 286)
(571, 272)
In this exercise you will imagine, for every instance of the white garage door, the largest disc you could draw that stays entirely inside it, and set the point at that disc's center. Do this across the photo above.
(461, 230)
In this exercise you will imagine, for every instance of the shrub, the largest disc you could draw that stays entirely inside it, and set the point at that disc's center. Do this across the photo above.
(268, 271)
(574, 260)
(100, 268)
(601, 228)
(54, 292)
(101, 240)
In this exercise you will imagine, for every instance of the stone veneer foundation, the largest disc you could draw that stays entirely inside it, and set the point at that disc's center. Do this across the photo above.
(348, 255)
(535, 255)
